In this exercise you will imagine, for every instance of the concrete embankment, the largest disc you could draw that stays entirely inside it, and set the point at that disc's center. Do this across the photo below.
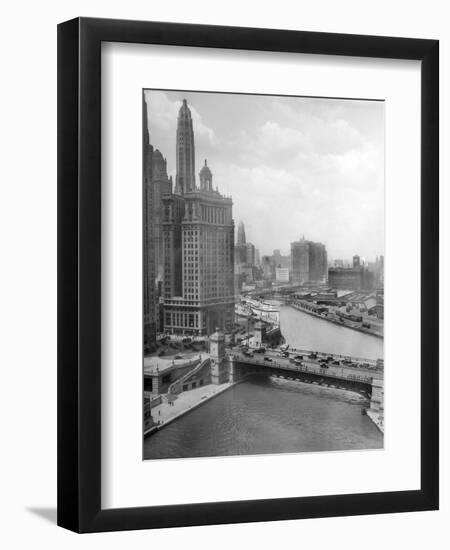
(167, 412)
(335, 322)
(376, 419)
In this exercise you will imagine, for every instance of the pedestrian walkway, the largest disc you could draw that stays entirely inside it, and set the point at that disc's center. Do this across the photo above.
(185, 401)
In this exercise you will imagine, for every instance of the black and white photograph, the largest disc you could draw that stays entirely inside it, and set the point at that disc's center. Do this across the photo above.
(207, 207)
(263, 274)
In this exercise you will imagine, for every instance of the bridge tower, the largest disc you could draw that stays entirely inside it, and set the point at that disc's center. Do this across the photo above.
(217, 356)
(259, 335)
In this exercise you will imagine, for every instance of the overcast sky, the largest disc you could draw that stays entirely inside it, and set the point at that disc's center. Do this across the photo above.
(293, 166)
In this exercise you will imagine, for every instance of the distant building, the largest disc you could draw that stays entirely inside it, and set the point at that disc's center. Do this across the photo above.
(241, 234)
(318, 263)
(379, 308)
(249, 273)
(162, 185)
(282, 274)
(250, 255)
(268, 268)
(240, 254)
(279, 260)
(356, 261)
(379, 272)
(257, 257)
(308, 262)
(350, 278)
(338, 263)
(300, 261)
(244, 252)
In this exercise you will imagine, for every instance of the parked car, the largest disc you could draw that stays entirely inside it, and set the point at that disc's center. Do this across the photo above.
(268, 359)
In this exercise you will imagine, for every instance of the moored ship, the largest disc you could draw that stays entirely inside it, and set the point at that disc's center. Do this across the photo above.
(262, 311)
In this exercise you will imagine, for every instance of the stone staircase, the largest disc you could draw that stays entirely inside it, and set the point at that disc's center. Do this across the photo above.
(176, 387)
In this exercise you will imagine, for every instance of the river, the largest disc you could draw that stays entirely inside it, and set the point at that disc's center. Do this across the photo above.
(262, 416)
(278, 416)
(305, 331)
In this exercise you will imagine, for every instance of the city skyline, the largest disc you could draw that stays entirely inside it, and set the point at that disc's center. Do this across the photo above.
(325, 156)
(346, 261)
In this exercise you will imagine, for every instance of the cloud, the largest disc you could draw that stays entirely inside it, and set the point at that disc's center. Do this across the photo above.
(293, 166)
(163, 114)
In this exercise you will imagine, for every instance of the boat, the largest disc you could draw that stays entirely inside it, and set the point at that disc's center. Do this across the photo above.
(262, 311)
(242, 310)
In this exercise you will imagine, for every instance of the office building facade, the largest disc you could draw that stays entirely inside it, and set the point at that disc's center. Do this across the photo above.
(198, 236)
(308, 262)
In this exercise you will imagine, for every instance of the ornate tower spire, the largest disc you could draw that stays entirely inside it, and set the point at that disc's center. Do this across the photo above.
(205, 176)
(185, 179)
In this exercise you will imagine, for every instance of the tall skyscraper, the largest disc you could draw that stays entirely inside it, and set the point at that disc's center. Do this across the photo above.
(240, 250)
(198, 235)
(250, 256)
(162, 185)
(149, 290)
(300, 261)
(185, 150)
(257, 257)
(318, 263)
(379, 272)
(241, 233)
(308, 262)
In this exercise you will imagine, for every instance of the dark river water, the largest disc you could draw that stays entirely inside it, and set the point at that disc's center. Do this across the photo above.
(268, 416)
(278, 416)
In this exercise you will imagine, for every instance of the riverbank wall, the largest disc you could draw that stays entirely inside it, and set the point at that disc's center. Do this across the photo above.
(376, 419)
(191, 400)
(335, 322)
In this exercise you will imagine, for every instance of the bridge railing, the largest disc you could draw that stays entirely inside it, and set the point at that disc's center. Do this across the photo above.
(339, 356)
(329, 372)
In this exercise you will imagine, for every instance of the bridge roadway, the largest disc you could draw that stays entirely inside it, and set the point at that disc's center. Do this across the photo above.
(311, 366)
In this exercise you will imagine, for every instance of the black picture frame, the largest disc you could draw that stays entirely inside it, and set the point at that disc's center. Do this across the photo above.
(79, 274)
